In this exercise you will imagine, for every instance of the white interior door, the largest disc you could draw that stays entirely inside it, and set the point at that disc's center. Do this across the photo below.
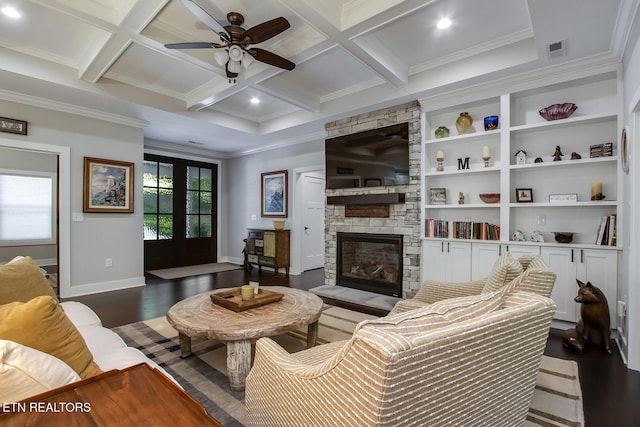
(313, 198)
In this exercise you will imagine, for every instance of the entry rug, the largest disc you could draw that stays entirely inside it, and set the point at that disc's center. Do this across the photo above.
(557, 399)
(194, 270)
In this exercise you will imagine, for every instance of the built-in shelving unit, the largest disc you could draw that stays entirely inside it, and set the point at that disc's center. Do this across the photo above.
(521, 127)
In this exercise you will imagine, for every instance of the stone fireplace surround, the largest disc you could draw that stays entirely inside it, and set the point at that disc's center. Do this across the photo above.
(404, 218)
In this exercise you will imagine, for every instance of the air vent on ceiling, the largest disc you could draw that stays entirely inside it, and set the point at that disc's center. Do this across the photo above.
(557, 49)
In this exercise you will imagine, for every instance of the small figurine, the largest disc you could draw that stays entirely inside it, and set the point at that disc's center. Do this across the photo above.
(538, 160)
(518, 236)
(536, 236)
(575, 156)
(557, 155)
(461, 198)
(521, 157)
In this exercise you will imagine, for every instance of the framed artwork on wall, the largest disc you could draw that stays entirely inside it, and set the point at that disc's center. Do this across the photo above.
(274, 194)
(107, 186)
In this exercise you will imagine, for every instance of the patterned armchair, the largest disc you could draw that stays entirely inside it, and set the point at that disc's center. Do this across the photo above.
(463, 361)
(531, 272)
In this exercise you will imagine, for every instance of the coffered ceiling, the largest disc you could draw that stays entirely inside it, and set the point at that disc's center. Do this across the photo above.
(107, 57)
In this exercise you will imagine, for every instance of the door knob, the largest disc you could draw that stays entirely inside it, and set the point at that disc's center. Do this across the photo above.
(306, 228)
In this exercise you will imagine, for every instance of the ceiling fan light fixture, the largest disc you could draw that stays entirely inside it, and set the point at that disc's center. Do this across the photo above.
(234, 66)
(221, 56)
(247, 60)
(235, 53)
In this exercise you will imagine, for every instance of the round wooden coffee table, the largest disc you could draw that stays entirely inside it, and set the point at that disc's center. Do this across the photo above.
(198, 317)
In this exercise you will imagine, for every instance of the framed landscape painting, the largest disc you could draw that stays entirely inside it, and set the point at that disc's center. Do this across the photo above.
(274, 198)
(108, 186)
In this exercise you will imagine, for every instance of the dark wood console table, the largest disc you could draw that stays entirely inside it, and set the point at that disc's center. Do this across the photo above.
(269, 248)
(135, 396)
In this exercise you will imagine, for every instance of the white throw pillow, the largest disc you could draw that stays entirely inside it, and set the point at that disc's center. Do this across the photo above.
(25, 372)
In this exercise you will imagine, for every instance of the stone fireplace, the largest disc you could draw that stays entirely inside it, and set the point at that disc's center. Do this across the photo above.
(401, 208)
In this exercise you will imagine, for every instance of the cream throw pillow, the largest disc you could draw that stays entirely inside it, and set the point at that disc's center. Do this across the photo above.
(505, 269)
(42, 324)
(436, 315)
(25, 372)
(21, 280)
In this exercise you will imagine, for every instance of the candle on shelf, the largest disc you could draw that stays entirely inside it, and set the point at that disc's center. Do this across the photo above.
(440, 154)
(596, 191)
(485, 151)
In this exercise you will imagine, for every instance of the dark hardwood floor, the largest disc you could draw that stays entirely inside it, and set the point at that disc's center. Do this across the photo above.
(611, 392)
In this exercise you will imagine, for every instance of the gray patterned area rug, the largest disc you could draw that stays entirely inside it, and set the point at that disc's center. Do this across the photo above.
(557, 399)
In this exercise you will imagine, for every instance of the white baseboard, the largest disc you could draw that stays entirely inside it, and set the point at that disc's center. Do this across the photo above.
(232, 260)
(95, 288)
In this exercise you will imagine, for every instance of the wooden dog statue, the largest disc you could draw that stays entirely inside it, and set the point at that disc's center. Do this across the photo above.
(594, 325)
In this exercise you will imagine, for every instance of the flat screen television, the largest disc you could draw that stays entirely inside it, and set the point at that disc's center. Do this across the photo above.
(377, 157)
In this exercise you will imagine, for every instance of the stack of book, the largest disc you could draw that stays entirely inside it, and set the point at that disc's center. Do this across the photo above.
(607, 231)
(436, 228)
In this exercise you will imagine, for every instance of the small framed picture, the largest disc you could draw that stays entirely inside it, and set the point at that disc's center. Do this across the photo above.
(563, 198)
(13, 126)
(438, 196)
(524, 195)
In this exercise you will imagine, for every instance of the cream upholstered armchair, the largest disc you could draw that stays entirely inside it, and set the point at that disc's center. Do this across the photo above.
(531, 271)
(464, 361)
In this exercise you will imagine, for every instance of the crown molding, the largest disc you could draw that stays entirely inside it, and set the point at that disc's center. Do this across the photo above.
(600, 64)
(64, 107)
(309, 137)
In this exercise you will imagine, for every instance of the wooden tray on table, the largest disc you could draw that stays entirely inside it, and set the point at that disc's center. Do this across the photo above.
(232, 299)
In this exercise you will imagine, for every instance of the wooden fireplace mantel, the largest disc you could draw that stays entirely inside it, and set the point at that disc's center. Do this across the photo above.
(367, 199)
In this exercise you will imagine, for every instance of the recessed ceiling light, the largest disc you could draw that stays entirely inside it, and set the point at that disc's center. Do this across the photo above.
(10, 12)
(444, 23)
(255, 100)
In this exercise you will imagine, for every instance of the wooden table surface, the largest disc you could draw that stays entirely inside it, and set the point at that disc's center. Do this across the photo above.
(198, 317)
(135, 396)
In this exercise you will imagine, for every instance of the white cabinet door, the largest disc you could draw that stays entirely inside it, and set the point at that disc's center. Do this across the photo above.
(458, 261)
(483, 257)
(433, 267)
(446, 261)
(563, 262)
(600, 267)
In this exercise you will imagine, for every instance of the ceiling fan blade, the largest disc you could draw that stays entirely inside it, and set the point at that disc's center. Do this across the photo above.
(192, 45)
(271, 58)
(265, 31)
(207, 19)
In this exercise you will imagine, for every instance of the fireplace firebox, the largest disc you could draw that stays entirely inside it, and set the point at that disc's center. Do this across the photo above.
(370, 262)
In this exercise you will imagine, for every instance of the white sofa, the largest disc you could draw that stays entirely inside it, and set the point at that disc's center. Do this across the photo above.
(108, 349)
(45, 344)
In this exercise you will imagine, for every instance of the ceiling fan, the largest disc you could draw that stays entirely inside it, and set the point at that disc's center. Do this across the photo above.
(234, 51)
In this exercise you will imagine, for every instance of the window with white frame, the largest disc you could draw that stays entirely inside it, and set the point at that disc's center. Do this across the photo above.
(27, 208)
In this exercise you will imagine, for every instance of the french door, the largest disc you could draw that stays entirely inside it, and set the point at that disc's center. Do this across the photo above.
(180, 212)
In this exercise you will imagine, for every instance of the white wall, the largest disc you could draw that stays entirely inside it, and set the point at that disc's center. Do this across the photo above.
(241, 192)
(99, 236)
(629, 290)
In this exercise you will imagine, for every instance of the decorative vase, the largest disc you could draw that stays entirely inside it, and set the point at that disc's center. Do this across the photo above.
(278, 225)
(490, 123)
(441, 132)
(464, 123)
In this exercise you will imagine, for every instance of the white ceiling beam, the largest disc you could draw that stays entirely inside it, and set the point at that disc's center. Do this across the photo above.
(288, 93)
(138, 18)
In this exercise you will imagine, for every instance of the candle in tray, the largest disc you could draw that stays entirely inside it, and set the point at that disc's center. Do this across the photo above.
(247, 292)
(485, 151)
(596, 191)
